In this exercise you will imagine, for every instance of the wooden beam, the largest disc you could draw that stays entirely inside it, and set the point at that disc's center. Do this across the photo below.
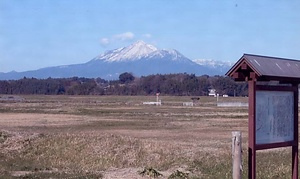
(252, 130)
(253, 76)
(244, 66)
(296, 134)
(238, 75)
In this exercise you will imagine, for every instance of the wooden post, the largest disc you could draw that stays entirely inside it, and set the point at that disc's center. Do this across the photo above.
(251, 130)
(296, 131)
(236, 155)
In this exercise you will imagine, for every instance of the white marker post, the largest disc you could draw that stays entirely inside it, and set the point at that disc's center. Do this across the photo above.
(157, 95)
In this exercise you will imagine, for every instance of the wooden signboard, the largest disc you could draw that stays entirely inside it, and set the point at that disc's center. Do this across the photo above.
(273, 109)
(273, 121)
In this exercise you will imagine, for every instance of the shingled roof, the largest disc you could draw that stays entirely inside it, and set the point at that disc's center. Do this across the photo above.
(264, 68)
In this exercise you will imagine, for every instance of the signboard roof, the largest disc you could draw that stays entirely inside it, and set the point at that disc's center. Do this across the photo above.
(265, 68)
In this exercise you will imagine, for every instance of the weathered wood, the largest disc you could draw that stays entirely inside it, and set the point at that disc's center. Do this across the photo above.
(251, 130)
(236, 155)
(296, 134)
(244, 66)
(238, 75)
(253, 76)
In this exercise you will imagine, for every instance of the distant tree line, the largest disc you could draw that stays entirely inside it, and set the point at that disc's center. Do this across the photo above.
(170, 84)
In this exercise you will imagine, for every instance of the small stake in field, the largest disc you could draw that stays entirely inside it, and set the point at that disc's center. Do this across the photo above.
(157, 103)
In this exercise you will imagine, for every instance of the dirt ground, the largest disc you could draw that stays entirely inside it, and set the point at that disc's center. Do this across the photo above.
(193, 131)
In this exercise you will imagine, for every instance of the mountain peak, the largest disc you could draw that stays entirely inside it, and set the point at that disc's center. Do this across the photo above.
(133, 52)
(139, 43)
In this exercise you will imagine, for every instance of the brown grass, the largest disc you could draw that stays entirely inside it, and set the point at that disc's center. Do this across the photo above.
(117, 136)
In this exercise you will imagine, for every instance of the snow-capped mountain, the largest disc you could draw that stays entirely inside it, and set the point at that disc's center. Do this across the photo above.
(212, 63)
(137, 51)
(138, 58)
(133, 52)
(174, 54)
(143, 59)
(221, 66)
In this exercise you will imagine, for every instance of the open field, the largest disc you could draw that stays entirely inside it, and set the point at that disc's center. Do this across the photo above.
(119, 137)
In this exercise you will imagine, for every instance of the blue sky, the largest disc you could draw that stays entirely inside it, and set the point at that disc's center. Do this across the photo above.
(42, 33)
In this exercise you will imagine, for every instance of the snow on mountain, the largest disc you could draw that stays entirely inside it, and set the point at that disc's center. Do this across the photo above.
(133, 52)
(213, 63)
(139, 51)
(174, 54)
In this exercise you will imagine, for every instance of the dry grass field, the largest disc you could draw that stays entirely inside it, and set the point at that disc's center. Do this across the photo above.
(119, 137)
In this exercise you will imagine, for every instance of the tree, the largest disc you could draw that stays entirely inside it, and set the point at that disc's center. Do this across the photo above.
(203, 85)
(126, 77)
(168, 84)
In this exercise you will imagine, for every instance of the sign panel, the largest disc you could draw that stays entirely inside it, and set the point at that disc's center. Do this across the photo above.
(274, 117)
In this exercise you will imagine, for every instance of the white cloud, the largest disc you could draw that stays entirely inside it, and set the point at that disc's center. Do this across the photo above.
(107, 41)
(147, 36)
(104, 41)
(124, 36)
